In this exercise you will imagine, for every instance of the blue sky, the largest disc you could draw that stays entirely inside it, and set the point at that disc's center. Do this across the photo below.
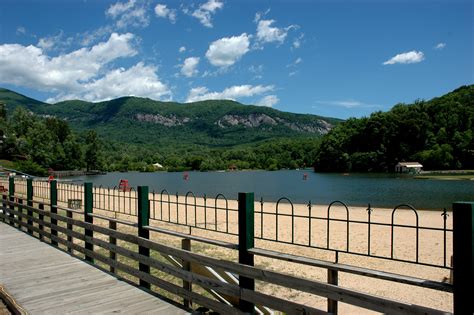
(330, 58)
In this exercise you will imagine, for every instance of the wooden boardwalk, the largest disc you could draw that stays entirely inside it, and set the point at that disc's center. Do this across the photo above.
(45, 280)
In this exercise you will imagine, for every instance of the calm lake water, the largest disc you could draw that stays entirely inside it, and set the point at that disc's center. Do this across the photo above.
(380, 190)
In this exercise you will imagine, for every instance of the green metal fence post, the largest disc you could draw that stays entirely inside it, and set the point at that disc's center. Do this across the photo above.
(53, 199)
(29, 201)
(11, 195)
(88, 206)
(143, 220)
(246, 242)
(463, 257)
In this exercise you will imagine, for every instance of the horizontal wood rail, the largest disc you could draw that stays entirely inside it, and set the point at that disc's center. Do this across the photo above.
(104, 217)
(193, 237)
(440, 286)
(310, 286)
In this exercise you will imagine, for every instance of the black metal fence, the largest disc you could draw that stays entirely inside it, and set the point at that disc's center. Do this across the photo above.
(336, 228)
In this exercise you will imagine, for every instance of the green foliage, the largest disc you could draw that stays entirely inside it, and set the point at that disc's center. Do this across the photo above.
(37, 144)
(30, 167)
(93, 157)
(438, 133)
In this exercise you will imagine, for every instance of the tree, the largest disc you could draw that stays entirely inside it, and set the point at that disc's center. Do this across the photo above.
(93, 157)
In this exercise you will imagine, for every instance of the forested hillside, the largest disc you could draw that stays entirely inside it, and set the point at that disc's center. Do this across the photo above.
(35, 143)
(438, 133)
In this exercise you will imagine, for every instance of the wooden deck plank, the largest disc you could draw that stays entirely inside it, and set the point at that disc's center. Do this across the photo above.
(45, 280)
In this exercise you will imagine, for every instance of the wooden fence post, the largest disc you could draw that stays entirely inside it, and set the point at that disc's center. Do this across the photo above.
(333, 279)
(29, 201)
(463, 257)
(113, 241)
(143, 220)
(246, 242)
(88, 206)
(53, 199)
(186, 245)
(11, 196)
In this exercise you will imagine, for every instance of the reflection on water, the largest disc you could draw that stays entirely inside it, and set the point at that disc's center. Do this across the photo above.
(380, 190)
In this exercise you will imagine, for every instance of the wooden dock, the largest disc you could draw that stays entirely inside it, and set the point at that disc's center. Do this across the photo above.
(45, 280)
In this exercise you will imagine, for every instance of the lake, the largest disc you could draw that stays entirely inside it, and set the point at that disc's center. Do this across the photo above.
(380, 190)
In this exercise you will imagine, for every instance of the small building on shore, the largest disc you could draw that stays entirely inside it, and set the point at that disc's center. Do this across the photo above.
(408, 167)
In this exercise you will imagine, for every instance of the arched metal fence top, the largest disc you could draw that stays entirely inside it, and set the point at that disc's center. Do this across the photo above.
(409, 207)
(329, 219)
(219, 197)
(340, 203)
(163, 192)
(190, 193)
(284, 199)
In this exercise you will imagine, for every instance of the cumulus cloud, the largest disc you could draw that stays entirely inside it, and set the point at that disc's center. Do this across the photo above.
(267, 33)
(206, 10)
(82, 73)
(182, 49)
(139, 80)
(129, 13)
(189, 67)
(161, 10)
(231, 93)
(226, 51)
(268, 100)
(440, 46)
(407, 57)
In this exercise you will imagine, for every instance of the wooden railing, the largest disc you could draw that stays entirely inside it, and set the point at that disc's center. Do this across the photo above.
(90, 236)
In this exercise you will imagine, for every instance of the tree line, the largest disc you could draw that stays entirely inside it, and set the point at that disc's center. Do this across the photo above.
(36, 144)
(437, 133)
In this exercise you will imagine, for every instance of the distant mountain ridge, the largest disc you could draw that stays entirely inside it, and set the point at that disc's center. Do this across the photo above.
(213, 123)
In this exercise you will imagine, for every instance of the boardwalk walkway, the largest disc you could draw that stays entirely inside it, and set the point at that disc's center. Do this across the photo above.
(44, 280)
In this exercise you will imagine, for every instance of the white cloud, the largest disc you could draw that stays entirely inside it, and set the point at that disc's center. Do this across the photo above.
(232, 93)
(440, 46)
(268, 100)
(189, 66)
(120, 7)
(82, 73)
(30, 66)
(182, 49)
(128, 14)
(139, 80)
(266, 33)
(161, 10)
(405, 58)
(206, 10)
(226, 51)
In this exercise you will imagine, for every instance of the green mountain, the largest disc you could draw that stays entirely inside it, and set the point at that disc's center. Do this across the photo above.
(438, 133)
(211, 124)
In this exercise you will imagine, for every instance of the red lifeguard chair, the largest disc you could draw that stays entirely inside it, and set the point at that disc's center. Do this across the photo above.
(123, 185)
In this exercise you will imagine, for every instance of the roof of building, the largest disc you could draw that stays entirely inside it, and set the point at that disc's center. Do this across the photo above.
(409, 164)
